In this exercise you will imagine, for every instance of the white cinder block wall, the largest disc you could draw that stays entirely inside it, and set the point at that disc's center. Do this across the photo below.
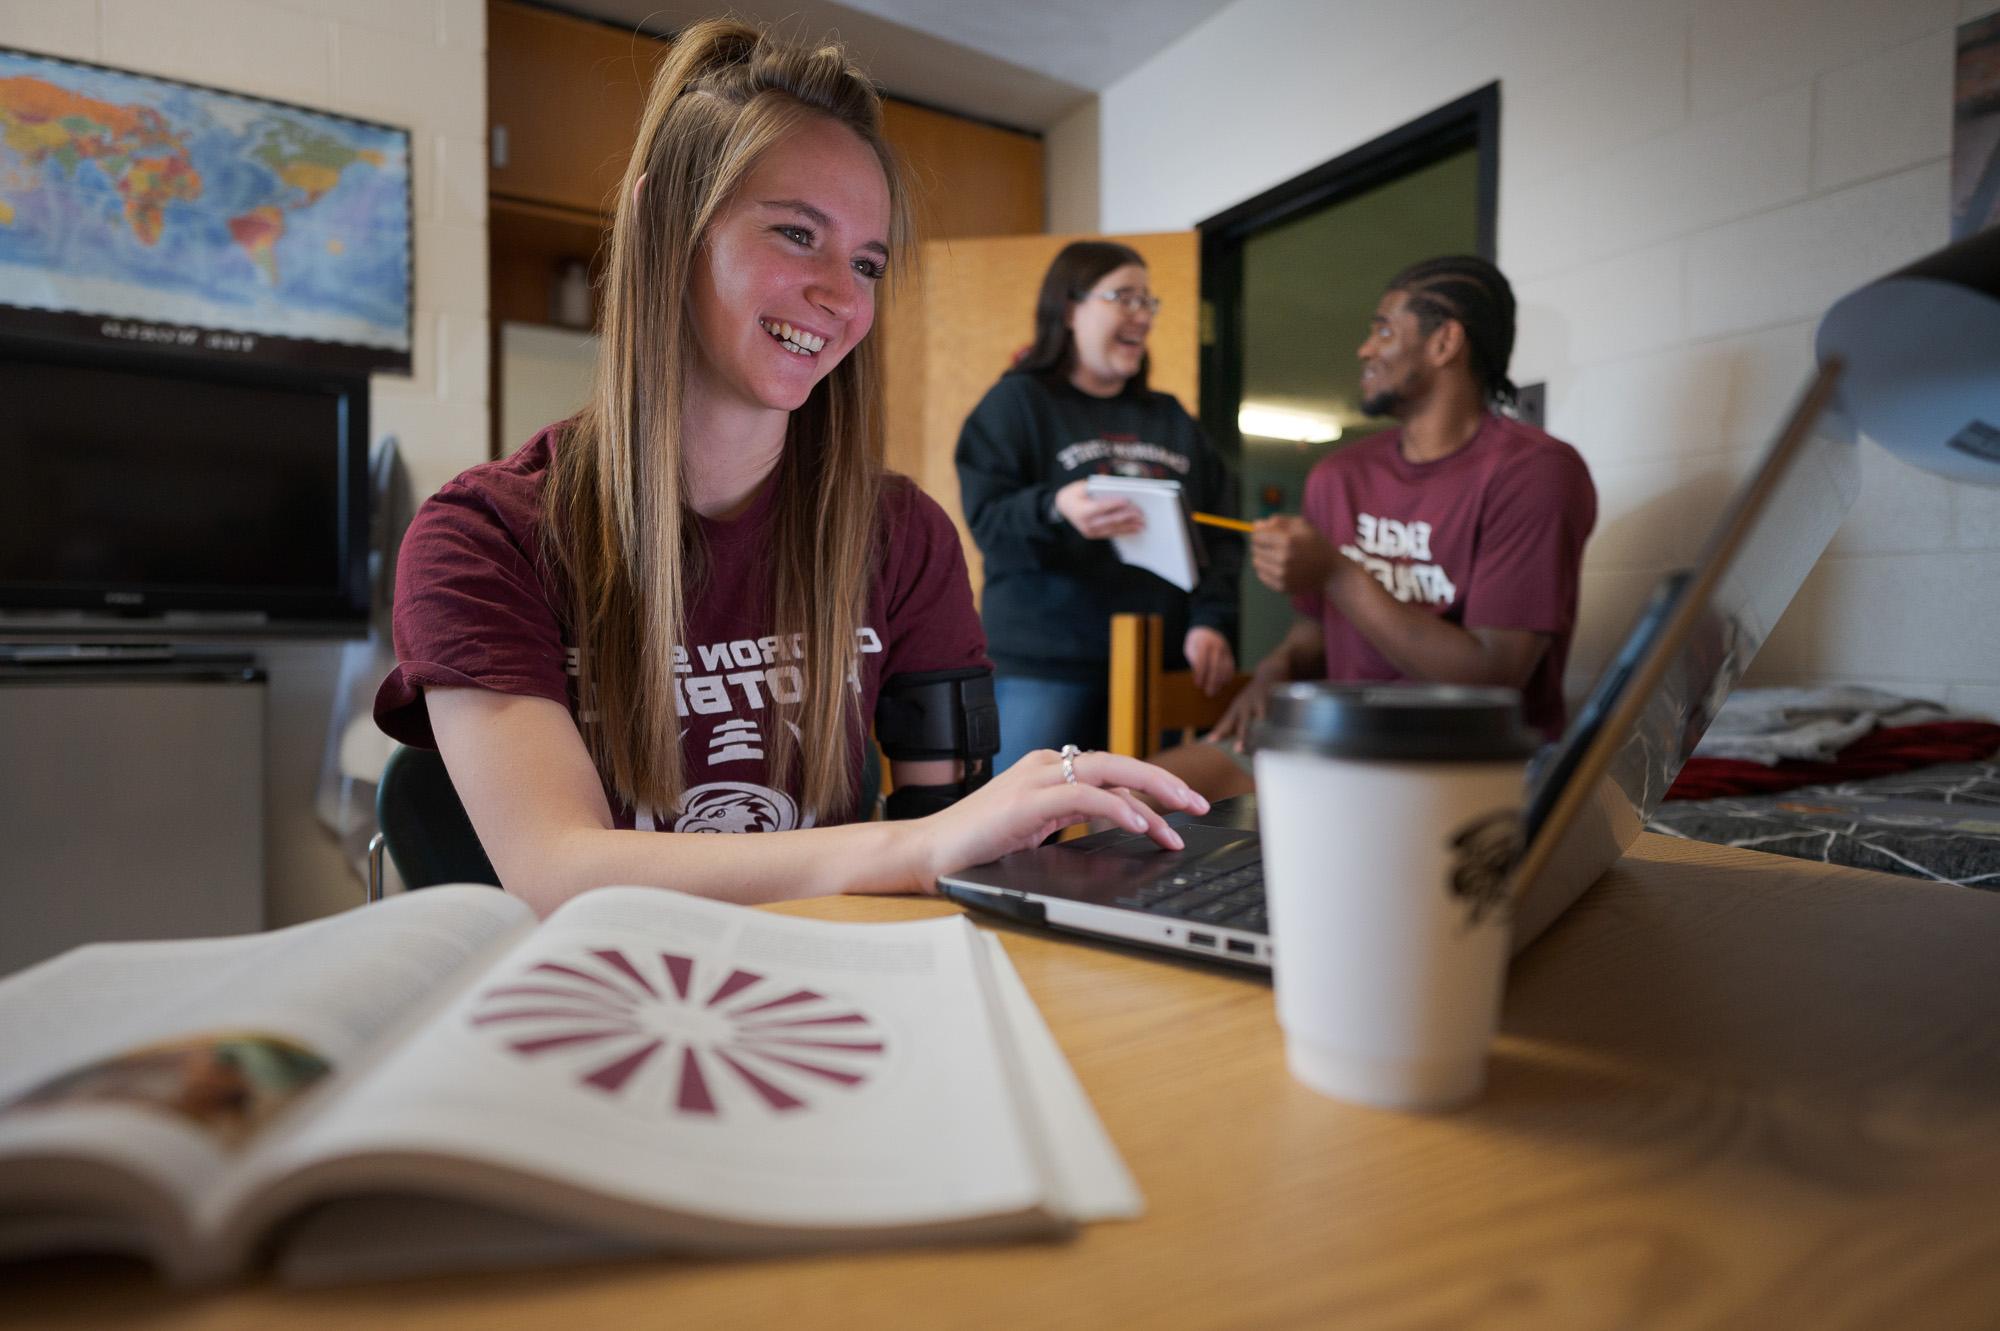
(420, 64)
(1685, 185)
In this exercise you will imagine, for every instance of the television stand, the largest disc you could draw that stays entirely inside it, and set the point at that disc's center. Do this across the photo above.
(68, 652)
(99, 660)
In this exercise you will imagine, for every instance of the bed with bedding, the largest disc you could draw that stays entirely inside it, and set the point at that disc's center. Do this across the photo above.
(1852, 777)
(1940, 822)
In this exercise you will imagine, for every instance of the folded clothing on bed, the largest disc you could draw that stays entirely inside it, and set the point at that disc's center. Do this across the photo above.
(1882, 751)
(1813, 724)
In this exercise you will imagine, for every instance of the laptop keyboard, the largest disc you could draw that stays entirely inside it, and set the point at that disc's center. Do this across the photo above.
(1232, 898)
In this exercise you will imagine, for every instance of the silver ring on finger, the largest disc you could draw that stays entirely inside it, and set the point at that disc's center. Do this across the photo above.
(1070, 753)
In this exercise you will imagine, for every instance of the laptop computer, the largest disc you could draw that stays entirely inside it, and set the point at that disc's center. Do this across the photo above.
(1587, 796)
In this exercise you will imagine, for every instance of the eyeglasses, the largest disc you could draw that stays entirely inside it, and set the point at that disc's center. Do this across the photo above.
(1132, 302)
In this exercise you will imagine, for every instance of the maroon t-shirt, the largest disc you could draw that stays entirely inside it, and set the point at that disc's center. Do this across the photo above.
(1489, 537)
(478, 604)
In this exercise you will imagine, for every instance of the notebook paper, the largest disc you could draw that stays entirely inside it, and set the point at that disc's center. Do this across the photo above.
(1164, 546)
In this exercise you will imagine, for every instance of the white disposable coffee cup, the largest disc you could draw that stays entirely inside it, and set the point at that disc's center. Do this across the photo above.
(1389, 815)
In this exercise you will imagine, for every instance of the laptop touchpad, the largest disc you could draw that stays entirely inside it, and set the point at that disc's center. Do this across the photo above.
(1214, 847)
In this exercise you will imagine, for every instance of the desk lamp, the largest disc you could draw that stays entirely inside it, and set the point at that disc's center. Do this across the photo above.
(1922, 353)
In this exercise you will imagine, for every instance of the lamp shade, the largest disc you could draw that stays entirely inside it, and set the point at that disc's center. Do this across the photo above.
(1922, 354)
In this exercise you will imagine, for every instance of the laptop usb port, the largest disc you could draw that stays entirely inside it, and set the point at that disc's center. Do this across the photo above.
(1201, 940)
(1243, 945)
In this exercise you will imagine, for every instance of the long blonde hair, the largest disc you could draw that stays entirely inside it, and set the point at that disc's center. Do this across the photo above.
(616, 507)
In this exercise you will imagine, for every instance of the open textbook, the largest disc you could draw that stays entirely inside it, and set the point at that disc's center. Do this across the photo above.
(1166, 545)
(437, 1081)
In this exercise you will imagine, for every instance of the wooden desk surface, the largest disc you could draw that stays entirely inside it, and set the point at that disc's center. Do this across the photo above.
(1732, 1091)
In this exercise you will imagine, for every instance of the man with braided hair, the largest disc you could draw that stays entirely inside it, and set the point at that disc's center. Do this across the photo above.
(1446, 549)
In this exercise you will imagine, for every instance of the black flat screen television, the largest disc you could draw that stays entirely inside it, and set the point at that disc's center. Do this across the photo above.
(150, 500)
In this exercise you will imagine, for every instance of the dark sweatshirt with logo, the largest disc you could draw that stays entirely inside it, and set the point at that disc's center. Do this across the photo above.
(1050, 592)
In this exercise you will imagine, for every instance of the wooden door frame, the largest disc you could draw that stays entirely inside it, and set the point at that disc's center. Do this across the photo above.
(1473, 121)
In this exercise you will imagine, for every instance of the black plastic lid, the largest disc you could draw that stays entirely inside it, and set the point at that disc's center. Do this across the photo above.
(1410, 722)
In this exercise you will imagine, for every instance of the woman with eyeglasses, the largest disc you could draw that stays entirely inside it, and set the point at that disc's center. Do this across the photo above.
(1076, 405)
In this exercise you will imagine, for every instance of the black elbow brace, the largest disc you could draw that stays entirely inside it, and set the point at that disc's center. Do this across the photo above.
(942, 715)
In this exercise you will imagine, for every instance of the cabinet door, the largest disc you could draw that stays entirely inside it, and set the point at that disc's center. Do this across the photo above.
(137, 809)
(967, 179)
(563, 99)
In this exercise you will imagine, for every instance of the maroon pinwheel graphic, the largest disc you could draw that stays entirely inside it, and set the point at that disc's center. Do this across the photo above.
(620, 1024)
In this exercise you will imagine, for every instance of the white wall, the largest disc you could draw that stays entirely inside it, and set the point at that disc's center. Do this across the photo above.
(1685, 186)
(414, 63)
(1069, 157)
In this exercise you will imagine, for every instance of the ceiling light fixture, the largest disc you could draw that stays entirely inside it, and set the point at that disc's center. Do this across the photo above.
(1299, 427)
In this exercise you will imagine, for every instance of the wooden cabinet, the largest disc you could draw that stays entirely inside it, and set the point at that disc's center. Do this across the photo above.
(563, 100)
(966, 179)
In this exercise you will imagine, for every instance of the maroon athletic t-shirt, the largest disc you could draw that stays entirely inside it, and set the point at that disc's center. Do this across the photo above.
(1489, 537)
(478, 605)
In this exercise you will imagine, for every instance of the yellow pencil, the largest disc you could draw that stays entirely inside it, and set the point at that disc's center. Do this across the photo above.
(1216, 520)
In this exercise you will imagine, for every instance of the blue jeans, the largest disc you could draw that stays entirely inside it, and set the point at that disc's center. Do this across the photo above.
(1047, 714)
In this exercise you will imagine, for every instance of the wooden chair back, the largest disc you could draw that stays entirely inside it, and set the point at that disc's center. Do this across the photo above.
(1147, 700)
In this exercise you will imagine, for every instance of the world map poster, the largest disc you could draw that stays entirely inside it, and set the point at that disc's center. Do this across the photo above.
(144, 211)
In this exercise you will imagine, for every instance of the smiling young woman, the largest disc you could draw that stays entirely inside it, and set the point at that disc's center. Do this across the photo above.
(675, 613)
(1075, 405)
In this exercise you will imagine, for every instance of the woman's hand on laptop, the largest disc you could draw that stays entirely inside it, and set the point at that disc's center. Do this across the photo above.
(1020, 808)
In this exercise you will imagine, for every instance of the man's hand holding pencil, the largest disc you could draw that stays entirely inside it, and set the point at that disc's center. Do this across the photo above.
(1290, 555)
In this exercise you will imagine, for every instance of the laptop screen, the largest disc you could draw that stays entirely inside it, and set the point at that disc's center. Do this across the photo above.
(1685, 652)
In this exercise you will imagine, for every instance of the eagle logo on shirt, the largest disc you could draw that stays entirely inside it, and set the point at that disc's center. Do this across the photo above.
(1397, 554)
(738, 806)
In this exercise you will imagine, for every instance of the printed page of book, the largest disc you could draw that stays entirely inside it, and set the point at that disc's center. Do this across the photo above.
(1164, 547)
(168, 1062)
(381, 1237)
(701, 1075)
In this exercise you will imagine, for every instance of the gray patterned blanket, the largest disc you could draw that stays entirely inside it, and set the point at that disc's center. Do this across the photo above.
(1940, 823)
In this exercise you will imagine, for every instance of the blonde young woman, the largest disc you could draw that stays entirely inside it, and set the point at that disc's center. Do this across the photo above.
(676, 613)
